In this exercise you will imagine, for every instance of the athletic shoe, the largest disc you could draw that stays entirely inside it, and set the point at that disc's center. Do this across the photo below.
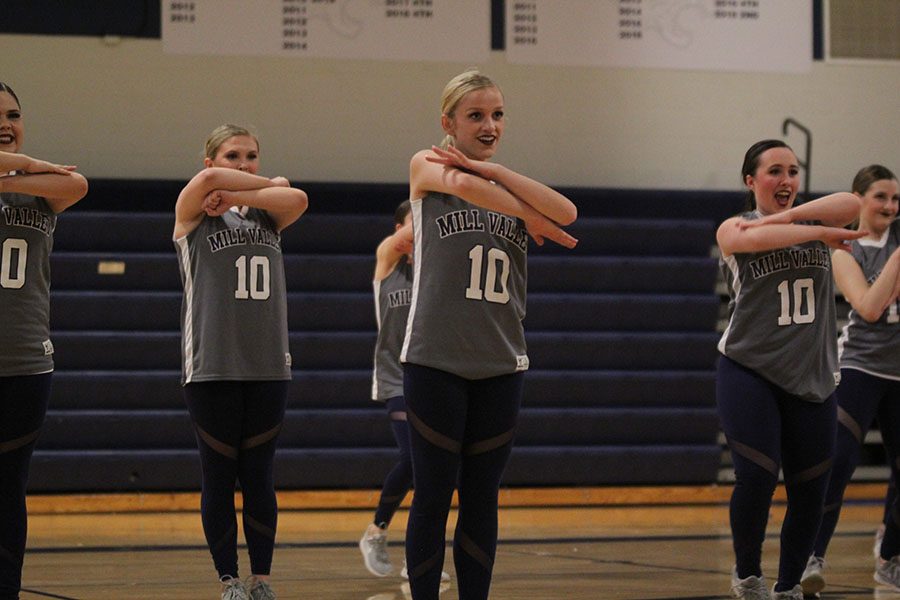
(751, 588)
(812, 580)
(373, 546)
(887, 572)
(793, 594)
(879, 537)
(445, 576)
(259, 589)
(233, 589)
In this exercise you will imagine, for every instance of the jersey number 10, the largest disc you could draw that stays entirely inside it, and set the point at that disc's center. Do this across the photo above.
(495, 258)
(256, 286)
(795, 294)
(8, 279)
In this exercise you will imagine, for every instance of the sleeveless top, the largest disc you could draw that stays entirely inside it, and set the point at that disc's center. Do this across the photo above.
(873, 347)
(27, 224)
(392, 297)
(469, 289)
(782, 317)
(234, 310)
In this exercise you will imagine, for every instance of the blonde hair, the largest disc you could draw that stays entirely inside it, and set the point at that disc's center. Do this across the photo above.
(456, 89)
(222, 133)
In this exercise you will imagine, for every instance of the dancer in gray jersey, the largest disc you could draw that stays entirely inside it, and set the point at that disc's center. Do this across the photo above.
(464, 352)
(776, 376)
(236, 363)
(869, 355)
(32, 193)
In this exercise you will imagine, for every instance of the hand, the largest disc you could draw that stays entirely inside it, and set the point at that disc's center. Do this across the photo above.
(779, 218)
(404, 246)
(41, 166)
(839, 239)
(281, 181)
(454, 158)
(540, 227)
(216, 203)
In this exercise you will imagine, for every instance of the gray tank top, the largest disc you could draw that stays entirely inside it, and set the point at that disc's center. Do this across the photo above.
(873, 347)
(782, 317)
(392, 297)
(234, 311)
(26, 239)
(469, 287)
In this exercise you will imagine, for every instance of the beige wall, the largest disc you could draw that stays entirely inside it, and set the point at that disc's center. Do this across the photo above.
(123, 108)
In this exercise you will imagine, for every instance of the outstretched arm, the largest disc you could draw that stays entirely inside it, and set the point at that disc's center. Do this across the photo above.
(834, 210)
(58, 184)
(430, 176)
(733, 237)
(542, 198)
(870, 301)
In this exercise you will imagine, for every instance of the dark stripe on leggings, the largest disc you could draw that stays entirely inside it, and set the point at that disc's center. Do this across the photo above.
(259, 527)
(810, 473)
(19, 442)
(220, 447)
(754, 456)
(426, 566)
(472, 549)
(262, 438)
(850, 423)
(225, 539)
(433, 437)
(489, 444)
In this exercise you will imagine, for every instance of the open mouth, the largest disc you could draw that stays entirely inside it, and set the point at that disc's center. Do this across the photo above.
(783, 197)
(6, 139)
(487, 140)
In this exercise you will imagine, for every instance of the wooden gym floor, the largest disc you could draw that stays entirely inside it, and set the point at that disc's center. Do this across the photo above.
(555, 544)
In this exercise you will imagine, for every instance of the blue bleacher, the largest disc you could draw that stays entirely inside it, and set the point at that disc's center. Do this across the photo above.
(621, 336)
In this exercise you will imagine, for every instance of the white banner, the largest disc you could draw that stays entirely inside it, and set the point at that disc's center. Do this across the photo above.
(422, 30)
(725, 35)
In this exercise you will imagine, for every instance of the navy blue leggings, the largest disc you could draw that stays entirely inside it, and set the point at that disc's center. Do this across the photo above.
(399, 479)
(767, 429)
(23, 406)
(459, 429)
(861, 398)
(237, 424)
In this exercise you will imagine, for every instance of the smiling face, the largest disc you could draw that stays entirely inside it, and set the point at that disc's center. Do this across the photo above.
(237, 152)
(477, 123)
(879, 206)
(775, 181)
(12, 131)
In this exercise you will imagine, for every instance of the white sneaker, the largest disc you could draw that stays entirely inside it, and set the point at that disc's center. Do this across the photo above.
(373, 546)
(813, 581)
(445, 576)
(233, 589)
(259, 589)
(887, 572)
(793, 594)
(751, 588)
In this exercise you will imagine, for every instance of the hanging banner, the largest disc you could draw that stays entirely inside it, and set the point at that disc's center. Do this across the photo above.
(723, 35)
(422, 30)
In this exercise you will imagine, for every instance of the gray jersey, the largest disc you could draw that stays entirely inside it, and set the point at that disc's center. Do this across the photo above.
(392, 297)
(468, 297)
(873, 347)
(782, 317)
(26, 239)
(234, 311)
